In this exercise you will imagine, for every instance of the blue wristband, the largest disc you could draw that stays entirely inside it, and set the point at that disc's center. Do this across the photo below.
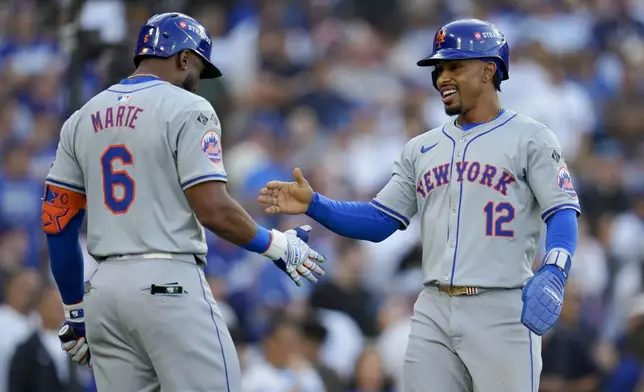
(261, 241)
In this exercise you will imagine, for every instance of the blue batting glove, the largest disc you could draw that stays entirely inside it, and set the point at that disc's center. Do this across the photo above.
(72, 334)
(544, 293)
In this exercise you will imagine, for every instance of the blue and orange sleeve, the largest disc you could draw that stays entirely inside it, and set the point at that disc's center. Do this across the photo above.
(63, 211)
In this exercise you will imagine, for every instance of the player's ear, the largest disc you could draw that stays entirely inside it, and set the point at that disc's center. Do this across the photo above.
(182, 59)
(489, 70)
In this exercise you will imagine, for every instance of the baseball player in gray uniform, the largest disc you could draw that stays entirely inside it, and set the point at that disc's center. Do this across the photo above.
(143, 159)
(483, 185)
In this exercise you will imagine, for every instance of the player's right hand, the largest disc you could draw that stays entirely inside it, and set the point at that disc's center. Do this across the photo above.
(280, 197)
(72, 335)
(297, 259)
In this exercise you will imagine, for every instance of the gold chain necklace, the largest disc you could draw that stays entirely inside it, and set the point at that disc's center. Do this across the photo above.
(458, 123)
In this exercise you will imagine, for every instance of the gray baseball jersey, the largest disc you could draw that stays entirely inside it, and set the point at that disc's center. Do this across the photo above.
(483, 195)
(133, 150)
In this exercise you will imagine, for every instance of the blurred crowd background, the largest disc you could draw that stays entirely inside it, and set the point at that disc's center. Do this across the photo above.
(332, 86)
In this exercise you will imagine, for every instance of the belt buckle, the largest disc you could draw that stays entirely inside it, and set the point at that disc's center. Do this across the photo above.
(456, 291)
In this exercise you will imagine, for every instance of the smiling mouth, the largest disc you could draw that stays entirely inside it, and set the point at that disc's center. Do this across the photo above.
(447, 94)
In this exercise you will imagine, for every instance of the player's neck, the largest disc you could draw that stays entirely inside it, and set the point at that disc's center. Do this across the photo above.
(148, 71)
(481, 113)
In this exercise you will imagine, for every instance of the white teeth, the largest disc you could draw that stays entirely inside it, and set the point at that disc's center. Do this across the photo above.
(448, 92)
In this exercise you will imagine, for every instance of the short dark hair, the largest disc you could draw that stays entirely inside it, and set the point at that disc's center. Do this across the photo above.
(276, 321)
(312, 329)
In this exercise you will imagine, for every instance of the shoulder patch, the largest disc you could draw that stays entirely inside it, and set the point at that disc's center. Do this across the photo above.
(214, 119)
(564, 181)
(211, 147)
(202, 118)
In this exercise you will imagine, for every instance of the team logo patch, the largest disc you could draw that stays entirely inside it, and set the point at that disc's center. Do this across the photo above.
(440, 38)
(565, 182)
(210, 146)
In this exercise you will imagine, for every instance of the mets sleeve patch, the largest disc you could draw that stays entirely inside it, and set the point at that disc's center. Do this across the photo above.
(211, 147)
(564, 181)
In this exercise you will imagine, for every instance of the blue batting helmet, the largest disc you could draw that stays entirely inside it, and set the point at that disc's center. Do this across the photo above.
(470, 39)
(165, 35)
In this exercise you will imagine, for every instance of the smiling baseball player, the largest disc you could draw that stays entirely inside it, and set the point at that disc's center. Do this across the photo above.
(144, 159)
(483, 185)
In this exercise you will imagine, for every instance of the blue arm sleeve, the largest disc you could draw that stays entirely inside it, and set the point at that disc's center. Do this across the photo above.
(66, 259)
(561, 231)
(353, 219)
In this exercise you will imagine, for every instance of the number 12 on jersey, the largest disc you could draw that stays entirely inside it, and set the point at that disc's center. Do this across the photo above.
(496, 215)
(119, 189)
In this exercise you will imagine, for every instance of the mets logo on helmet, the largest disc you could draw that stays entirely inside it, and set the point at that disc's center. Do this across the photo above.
(440, 38)
(210, 146)
(564, 180)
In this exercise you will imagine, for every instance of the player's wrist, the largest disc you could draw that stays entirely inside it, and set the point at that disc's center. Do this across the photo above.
(278, 245)
(313, 203)
(559, 258)
(260, 242)
(74, 313)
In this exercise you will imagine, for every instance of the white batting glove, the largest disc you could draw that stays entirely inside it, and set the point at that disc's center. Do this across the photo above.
(290, 253)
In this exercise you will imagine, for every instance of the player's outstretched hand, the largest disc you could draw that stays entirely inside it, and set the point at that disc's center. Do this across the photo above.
(280, 197)
(72, 335)
(299, 259)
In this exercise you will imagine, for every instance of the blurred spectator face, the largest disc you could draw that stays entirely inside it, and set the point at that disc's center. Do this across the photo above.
(271, 12)
(636, 336)
(639, 206)
(571, 310)
(8, 110)
(14, 245)
(22, 289)
(608, 171)
(46, 87)
(314, 335)
(369, 374)
(352, 259)
(50, 309)
(16, 162)
(365, 121)
(465, 76)
(272, 45)
(282, 345)
(213, 18)
(45, 129)
(302, 126)
(25, 27)
(363, 46)
(320, 74)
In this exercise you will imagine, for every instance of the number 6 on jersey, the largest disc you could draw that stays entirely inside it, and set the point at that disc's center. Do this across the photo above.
(119, 189)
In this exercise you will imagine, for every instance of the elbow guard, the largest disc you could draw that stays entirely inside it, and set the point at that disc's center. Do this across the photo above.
(59, 207)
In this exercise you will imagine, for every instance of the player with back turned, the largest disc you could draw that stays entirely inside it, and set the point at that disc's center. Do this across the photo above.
(143, 159)
(482, 185)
